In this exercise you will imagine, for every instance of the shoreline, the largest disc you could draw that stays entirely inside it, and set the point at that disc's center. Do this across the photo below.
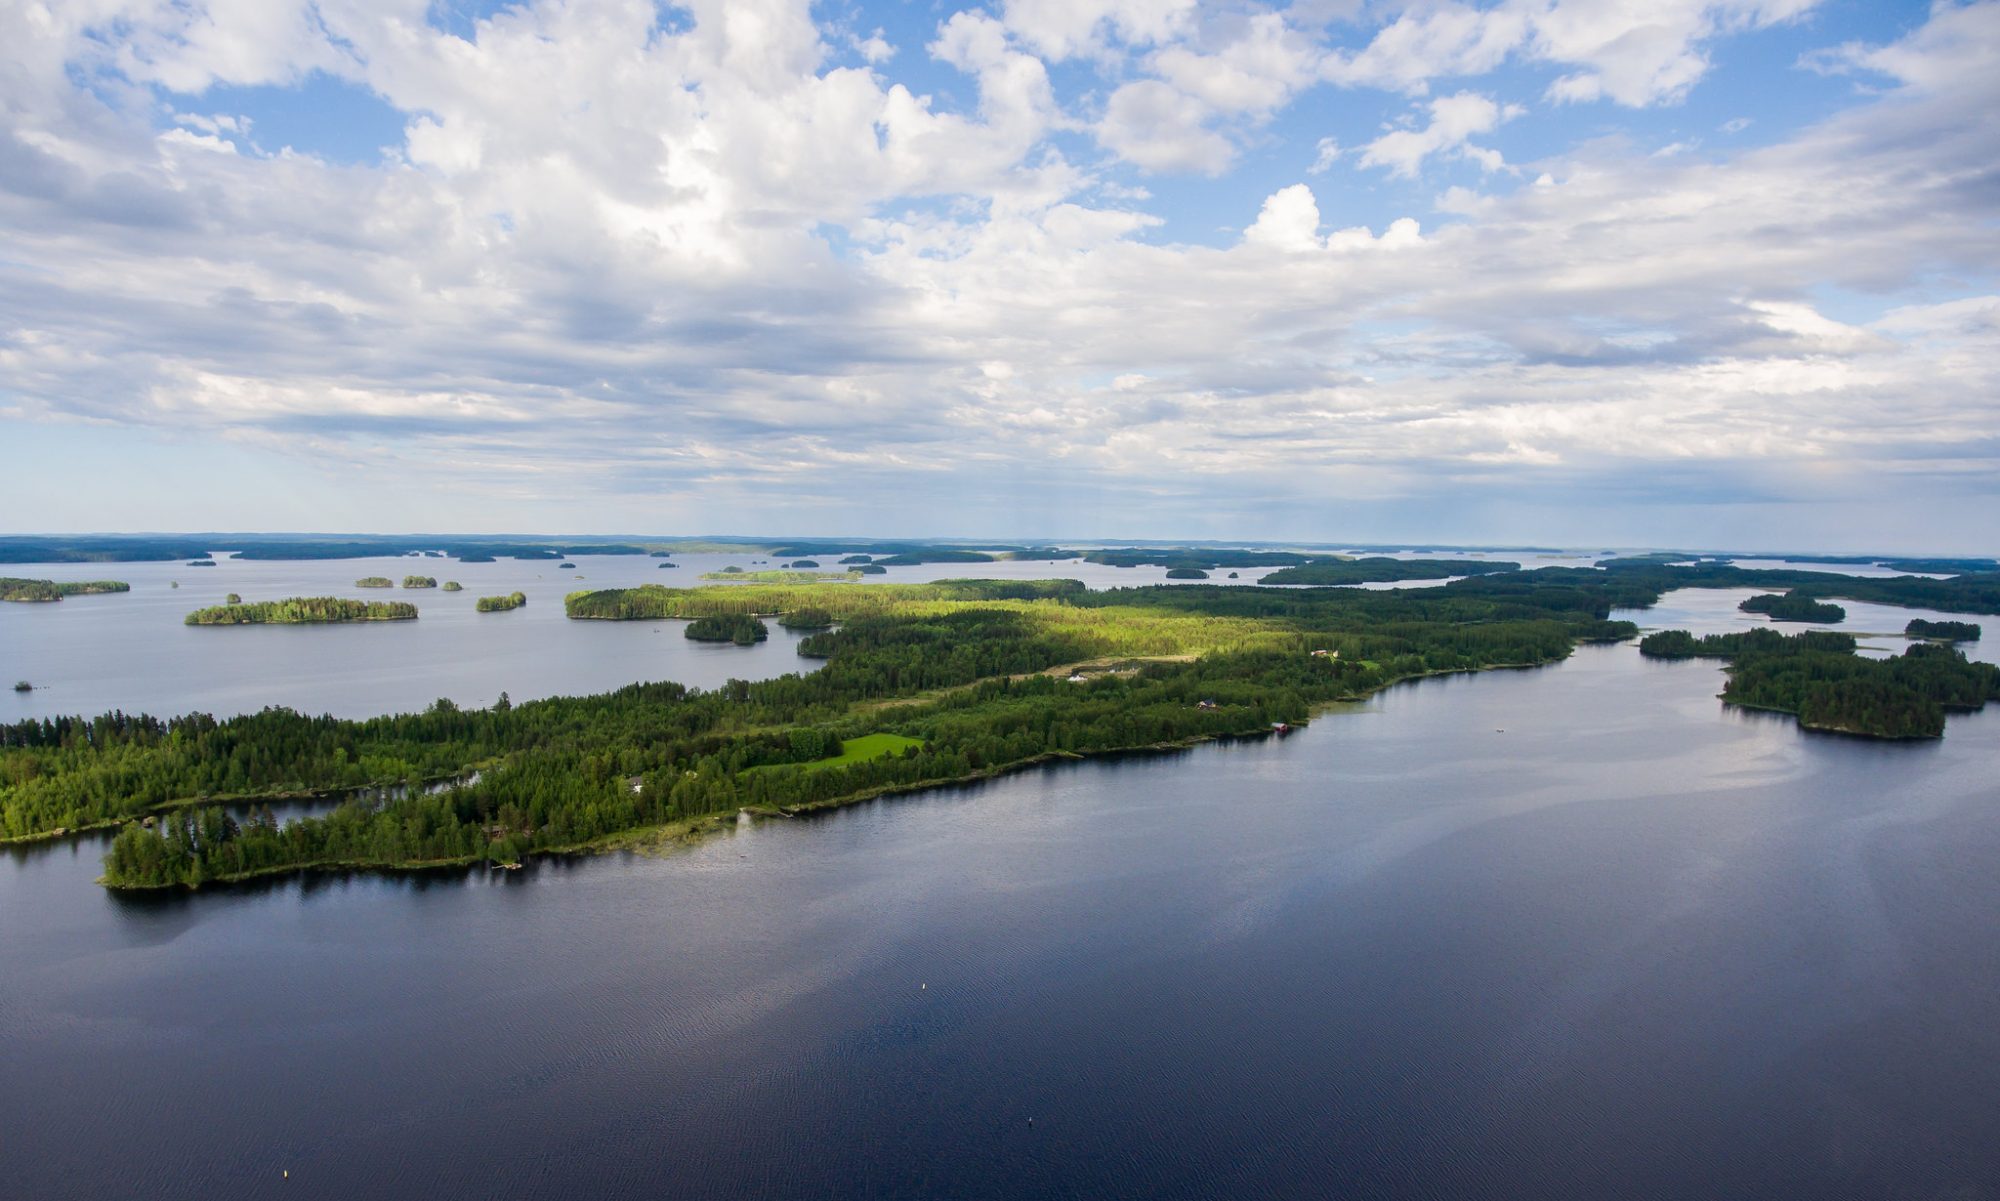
(687, 830)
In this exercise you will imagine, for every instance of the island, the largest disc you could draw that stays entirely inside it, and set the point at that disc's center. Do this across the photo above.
(1186, 573)
(739, 628)
(1794, 606)
(453, 586)
(501, 604)
(302, 610)
(45, 591)
(374, 581)
(1382, 570)
(420, 581)
(736, 575)
(1817, 677)
(201, 562)
(974, 674)
(804, 565)
(1946, 631)
(234, 598)
(23, 686)
(566, 567)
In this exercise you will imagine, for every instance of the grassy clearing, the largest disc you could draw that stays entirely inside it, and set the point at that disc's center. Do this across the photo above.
(864, 748)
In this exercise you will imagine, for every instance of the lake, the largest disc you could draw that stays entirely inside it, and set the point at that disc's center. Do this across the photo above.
(131, 651)
(1575, 932)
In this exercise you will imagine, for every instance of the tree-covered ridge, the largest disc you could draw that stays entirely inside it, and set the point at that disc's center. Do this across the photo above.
(500, 604)
(302, 610)
(374, 581)
(15, 589)
(1817, 677)
(420, 581)
(1377, 570)
(739, 628)
(1794, 606)
(1949, 631)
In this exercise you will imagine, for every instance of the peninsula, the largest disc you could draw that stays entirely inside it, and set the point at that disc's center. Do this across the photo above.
(970, 677)
(13, 589)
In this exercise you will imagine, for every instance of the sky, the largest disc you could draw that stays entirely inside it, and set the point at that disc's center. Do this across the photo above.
(1694, 273)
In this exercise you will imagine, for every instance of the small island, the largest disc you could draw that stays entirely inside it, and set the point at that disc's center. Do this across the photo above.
(42, 591)
(201, 562)
(374, 581)
(23, 686)
(1943, 631)
(1186, 573)
(501, 604)
(420, 581)
(453, 586)
(234, 598)
(739, 628)
(566, 567)
(1794, 606)
(302, 610)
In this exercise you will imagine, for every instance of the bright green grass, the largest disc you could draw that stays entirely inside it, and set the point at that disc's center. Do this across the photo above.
(866, 747)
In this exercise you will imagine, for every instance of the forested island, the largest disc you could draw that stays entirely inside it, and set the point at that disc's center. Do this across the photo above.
(1817, 677)
(1794, 606)
(960, 678)
(374, 581)
(736, 575)
(501, 604)
(302, 610)
(1947, 631)
(739, 628)
(42, 591)
(1384, 570)
(420, 581)
(1186, 573)
(453, 586)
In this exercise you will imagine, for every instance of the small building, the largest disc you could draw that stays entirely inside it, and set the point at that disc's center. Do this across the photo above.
(637, 783)
(1204, 704)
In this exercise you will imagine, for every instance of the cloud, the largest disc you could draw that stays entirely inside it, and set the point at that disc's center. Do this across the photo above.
(1633, 52)
(663, 276)
(1161, 128)
(1453, 121)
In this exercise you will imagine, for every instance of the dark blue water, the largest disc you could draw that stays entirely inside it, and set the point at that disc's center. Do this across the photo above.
(1633, 946)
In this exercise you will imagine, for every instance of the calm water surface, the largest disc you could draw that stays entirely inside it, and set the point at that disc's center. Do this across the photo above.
(1633, 946)
(131, 651)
